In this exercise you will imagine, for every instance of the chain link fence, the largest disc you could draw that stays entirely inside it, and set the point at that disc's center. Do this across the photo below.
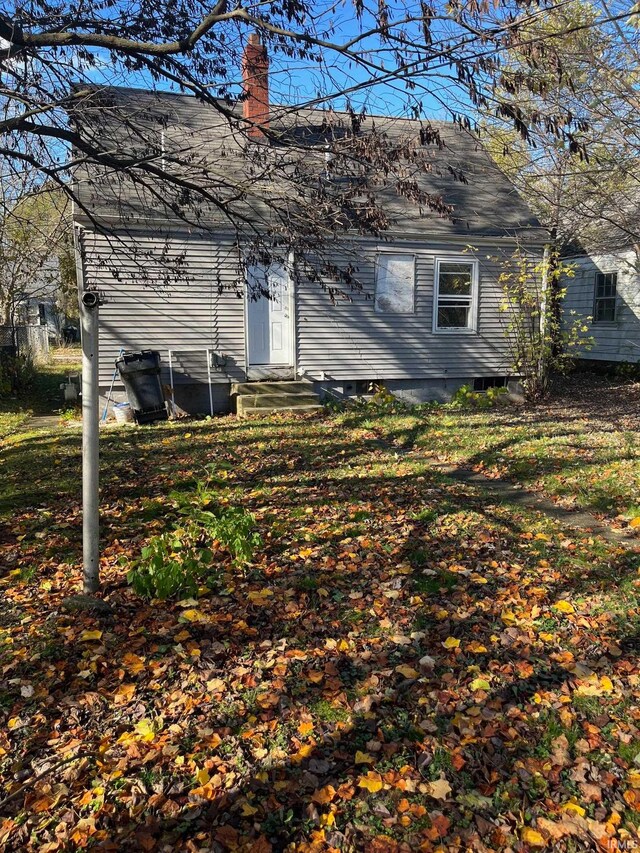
(33, 340)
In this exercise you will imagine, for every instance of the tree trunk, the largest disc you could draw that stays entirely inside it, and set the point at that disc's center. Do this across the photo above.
(5, 313)
(544, 343)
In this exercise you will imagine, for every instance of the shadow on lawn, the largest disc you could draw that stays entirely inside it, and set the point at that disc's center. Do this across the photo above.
(136, 470)
(414, 519)
(610, 498)
(417, 724)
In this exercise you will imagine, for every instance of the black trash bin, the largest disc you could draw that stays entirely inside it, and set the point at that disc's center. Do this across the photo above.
(70, 335)
(140, 372)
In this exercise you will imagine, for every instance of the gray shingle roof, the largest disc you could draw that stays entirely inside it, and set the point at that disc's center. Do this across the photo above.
(607, 230)
(483, 201)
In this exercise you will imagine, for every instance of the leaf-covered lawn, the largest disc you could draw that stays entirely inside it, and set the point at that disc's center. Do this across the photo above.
(404, 666)
(43, 396)
(12, 422)
(582, 447)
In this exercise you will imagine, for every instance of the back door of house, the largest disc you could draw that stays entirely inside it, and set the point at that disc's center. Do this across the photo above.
(269, 317)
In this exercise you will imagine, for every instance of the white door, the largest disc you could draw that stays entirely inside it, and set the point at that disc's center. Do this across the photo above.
(269, 316)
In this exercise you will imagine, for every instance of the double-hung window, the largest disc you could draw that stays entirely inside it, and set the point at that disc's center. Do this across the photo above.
(455, 295)
(604, 309)
(395, 283)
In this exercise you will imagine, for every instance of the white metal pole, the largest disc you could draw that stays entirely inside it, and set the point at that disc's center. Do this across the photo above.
(90, 442)
(209, 379)
(173, 394)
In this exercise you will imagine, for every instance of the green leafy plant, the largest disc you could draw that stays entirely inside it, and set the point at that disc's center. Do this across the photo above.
(466, 398)
(71, 414)
(170, 564)
(627, 370)
(17, 373)
(177, 562)
(539, 338)
(382, 401)
(234, 528)
(378, 400)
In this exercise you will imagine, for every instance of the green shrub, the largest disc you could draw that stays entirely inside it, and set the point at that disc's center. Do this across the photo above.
(382, 401)
(73, 413)
(627, 370)
(17, 373)
(234, 528)
(170, 564)
(177, 562)
(466, 398)
(541, 337)
(379, 401)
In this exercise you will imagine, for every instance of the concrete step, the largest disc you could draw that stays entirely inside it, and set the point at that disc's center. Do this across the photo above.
(257, 410)
(297, 386)
(260, 398)
(266, 400)
(269, 402)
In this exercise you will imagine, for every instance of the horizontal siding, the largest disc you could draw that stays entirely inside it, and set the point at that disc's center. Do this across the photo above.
(166, 295)
(349, 340)
(200, 308)
(617, 341)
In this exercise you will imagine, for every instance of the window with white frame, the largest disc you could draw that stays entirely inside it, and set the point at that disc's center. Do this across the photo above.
(456, 284)
(604, 310)
(395, 283)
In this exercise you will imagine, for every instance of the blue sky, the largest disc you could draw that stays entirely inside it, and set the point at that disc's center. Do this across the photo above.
(296, 81)
(436, 94)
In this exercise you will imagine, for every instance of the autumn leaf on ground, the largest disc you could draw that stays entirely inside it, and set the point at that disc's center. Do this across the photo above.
(124, 694)
(194, 615)
(260, 597)
(87, 636)
(564, 607)
(304, 752)
(144, 731)
(595, 686)
(533, 837)
(202, 776)
(286, 708)
(407, 671)
(439, 790)
(315, 676)
(133, 664)
(372, 782)
(324, 795)
(574, 808)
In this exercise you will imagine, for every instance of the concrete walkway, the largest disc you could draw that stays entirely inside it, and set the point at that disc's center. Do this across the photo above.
(43, 422)
(510, 493)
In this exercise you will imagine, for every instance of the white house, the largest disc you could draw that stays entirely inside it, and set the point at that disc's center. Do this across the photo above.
(424, 319)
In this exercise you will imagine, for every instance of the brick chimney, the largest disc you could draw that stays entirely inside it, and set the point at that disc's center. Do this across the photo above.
(255, 83)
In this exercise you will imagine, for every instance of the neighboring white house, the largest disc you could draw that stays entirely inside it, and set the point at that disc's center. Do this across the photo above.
(38, 304)
(604, 292)
(425, 319)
